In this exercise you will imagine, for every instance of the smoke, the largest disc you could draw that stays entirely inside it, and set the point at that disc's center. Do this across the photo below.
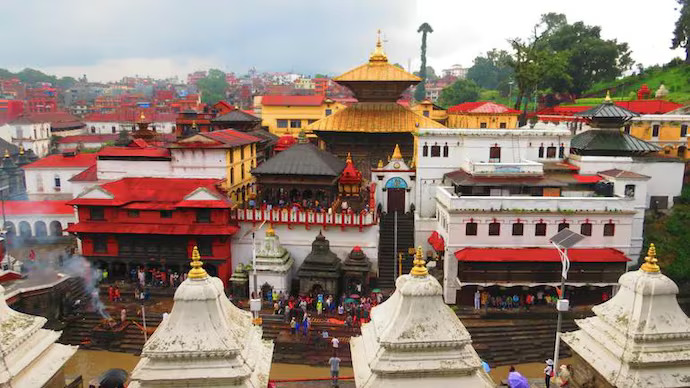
(78, 266)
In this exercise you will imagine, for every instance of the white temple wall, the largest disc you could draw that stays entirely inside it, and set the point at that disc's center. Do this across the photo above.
(115, 169)
(199, 163)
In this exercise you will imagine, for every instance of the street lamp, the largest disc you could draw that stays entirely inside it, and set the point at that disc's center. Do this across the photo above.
(563, 240)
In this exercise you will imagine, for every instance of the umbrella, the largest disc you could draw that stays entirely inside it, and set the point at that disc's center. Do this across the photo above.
(376, 290)
(112, 378)
(349, 300)
(354, 296)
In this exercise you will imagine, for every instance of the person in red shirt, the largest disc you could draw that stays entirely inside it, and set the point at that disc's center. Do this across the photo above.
(111, 294)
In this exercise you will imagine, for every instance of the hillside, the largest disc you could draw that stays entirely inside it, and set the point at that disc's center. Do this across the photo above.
(675, 75)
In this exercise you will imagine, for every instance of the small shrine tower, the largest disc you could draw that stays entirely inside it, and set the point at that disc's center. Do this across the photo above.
(273, 264)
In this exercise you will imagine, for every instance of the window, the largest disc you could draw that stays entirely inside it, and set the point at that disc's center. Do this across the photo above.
(203, 216)
(309, 122)
(502, 125)
(166, 213)
(630, 191)
(295, 123)
(96, 213)
(563, 225)
(482, 125)
(586, 229)
(655, 130)
(426, 113)
(609, 229)
(518, 229)
(328, 112)
(494, 229)
(100, 244)
(471, 229)
(683, 130)
(205, 246)
(93, 129)
(627, 129)
(541, 151)
(232, 175)
(57, 181)
(540, 229)
(242, 172)
(20, 133)
(445, 151)
(425, 150)
(241, 153)
(551, 152)
(114, 129)
(435, 151)
(281, 123)
(495, 154)
(132, 213)
(561, 151)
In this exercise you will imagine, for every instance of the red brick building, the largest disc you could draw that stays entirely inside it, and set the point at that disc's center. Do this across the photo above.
(155, 223)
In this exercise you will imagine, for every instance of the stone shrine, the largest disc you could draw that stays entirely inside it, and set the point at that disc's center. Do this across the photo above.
(273, 264)
(30, 357)
(356, 272)
(205, 341)
(639, 338)
(415, 340)
(321, 270)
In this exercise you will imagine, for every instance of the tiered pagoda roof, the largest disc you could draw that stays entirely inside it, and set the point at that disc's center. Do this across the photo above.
(374, 117)
(301, 159)
(351, 175)
(321, 262)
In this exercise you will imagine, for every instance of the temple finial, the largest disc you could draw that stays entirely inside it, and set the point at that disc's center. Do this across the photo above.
(419, 268)
(608, 99)
(396, 153)
(650, 261)
(378, 55)
(380, 165)
(270, 232)
(7, 153)
(197, 271)
(349, 158)
(21, 150)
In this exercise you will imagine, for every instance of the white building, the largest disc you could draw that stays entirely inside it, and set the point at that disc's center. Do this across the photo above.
(31, 132)
(274, 265)
(40, 220)
(205, 341)
(455, 71)
(49, 178)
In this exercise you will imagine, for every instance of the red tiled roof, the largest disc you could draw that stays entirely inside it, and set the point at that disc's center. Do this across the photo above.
(231, 137)
(16, 208)
(617, 173)
(61, 161)
(583, 255)
(285, 142)
(131, 228)
(46, 117)
(88, 175)
(88, 138)
(283, 100)
(481, 107)
(138, 148)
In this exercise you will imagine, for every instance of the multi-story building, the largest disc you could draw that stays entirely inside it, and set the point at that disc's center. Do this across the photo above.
(428, 109)
(49, 178)
(10, 110)
(155, 223)
(41, 99)
(482, 114)
(30, 132)
(668, 131)
(456, 71)
(283, 114)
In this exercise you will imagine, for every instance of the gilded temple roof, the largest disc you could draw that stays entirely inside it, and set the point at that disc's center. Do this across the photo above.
(374, 117)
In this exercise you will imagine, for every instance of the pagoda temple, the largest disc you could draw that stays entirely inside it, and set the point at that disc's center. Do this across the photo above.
(273, 264)
(415, 340)
(356, 269)
(205, 341)
(638, 338)
(350, 180)
(320, 272)
(371, 127)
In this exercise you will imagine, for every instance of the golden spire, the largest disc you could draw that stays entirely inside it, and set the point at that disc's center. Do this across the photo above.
(419, 268)
(608, 99)
(270, 232)
(650, 264)
(197, 271)
(380, 165)
(349, 158)
(21, 150)
(378, 55)
(7, 153)
(142, 117)
(396, 152)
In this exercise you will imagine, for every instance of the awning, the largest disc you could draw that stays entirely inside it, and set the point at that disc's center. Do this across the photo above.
(436, 241)
(587, 178)
(532, 284)
(582, 255)
(130, 228)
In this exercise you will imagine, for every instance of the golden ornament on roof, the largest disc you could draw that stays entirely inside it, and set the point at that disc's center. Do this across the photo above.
(608, 97)
(419, 268)
(378, 55)
(270, 232)
(197, 271)
(21, 150)
(396, 153)
(650, 261)
(7, 153)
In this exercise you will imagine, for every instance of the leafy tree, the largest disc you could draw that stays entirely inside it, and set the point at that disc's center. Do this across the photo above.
(462, 90)
(491, 71)
(681, 34)
(213, 86)
(420, 92)
(319, 75)
(430, 74)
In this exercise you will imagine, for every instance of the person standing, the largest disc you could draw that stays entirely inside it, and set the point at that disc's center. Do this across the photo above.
(334, 361)
(123, 315)
(548, 373)
(319, 306)
(477, 299)
(293, 326)
(335, 342)
(516, 379)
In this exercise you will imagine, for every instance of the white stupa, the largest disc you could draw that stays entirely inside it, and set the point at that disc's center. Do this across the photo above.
(639, 338)
(29, 356)
(273, 264)
(205, 341)
(415, 340)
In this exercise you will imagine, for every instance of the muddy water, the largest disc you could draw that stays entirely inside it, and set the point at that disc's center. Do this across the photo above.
(530, 370)
(91, 363)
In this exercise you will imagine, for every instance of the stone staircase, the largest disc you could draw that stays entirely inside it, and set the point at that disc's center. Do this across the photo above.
(387, 254)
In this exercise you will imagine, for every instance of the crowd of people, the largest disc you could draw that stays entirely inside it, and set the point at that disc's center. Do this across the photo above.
(313, 205)
(483, 299)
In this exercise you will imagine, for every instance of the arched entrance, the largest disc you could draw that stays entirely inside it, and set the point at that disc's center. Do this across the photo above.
(266, 290)
(55, 228)
(24, 229)
(41, 229)
(396, 188)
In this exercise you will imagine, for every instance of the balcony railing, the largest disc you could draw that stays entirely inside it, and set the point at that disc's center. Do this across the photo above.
(307, 218)
(524, 168)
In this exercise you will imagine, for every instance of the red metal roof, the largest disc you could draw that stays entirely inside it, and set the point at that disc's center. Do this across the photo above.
(481, 107)
(350, 175)
(15, 208)
(130, 228)
(587, 178)
(649, 106)
(134, 149)
(231, 137)
(88, 138)
(60, 161)
(88, 175)
(283, 100)
(583, 255)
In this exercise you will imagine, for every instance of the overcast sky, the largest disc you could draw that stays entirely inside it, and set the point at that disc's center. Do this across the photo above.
(108, 39)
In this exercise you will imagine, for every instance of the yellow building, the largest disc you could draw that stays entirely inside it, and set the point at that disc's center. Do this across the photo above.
(238, 151)
(428, 109)
(290, 114)
(482, 114)
(668, 131)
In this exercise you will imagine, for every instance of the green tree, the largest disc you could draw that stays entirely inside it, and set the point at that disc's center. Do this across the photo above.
(213, 86)
(491, 71)
(681, 34)
(462, 90)
(430, 74)
(420, 92)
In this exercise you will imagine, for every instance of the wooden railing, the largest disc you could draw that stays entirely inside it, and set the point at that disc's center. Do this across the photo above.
(306, 218)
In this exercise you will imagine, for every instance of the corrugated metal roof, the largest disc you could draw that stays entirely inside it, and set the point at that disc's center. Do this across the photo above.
(589, 255)
(481, 107)
(301, 159)
(617, 173)
(610, 140)
(607, 110)
(236, 115)
(374, 117)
